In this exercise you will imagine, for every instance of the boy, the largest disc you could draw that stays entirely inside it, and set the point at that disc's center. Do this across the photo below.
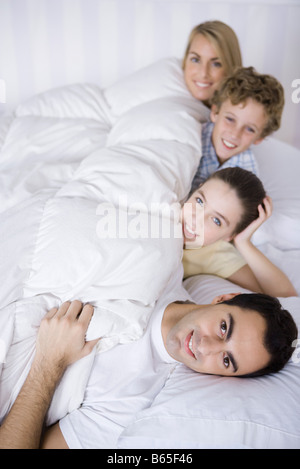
(247, 108)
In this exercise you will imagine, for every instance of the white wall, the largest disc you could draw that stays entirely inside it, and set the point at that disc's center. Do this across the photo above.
(48, 43)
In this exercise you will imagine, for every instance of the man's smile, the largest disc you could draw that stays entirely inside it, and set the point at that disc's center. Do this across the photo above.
(188, 344)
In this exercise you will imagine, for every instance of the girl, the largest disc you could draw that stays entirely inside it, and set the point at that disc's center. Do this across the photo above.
(229, 207)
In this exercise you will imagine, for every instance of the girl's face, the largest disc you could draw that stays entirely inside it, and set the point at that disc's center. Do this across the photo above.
(203, 69)
(210, 214)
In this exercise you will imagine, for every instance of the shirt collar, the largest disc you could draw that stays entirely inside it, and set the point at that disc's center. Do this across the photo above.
(207, 144)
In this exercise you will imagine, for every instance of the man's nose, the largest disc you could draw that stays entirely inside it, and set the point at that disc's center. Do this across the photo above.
(210, 345)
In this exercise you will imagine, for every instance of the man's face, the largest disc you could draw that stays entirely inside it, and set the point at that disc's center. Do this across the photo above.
(219, 339)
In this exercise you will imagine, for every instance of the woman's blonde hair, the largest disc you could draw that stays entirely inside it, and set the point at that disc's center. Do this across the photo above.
(225, 41)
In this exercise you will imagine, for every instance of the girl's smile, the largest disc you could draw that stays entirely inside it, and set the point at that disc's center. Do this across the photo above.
(210, 214)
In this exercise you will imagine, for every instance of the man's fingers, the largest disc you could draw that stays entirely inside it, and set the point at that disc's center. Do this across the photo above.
(51, 313)
(63, 309)
(88, 347)
(74, 309)
(86, 314)
(70, 309)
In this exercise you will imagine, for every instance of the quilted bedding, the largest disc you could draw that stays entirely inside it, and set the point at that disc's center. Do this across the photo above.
(82, 172)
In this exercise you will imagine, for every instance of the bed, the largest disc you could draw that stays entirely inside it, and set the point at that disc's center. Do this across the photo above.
(52, 187)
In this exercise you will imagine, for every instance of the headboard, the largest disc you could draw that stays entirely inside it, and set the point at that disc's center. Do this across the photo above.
(49, 43)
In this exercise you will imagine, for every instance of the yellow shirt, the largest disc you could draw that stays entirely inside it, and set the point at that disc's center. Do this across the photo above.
(220, 258)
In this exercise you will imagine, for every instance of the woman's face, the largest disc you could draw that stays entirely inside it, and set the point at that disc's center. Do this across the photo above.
(210, 214)
(203, 69)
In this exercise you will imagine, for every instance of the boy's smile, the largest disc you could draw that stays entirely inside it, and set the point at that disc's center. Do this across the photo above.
(237, 127)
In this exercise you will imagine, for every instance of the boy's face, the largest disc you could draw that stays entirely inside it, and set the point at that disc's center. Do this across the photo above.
(219, 339)
(237, 127)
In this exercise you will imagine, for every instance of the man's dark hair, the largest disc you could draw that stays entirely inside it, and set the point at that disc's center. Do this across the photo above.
(281, 329)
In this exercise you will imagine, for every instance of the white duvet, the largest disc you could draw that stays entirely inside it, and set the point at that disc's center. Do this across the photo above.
(77, 165)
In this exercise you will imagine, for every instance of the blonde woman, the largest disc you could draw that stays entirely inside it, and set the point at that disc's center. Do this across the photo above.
(212, 53)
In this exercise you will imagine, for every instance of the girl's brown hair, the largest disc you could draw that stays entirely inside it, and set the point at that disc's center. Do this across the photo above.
(249, 189)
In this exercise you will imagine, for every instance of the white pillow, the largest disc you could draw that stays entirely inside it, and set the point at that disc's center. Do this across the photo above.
(172, 119)
(279, 168)
(202, 411)
(81, 101)
(161, 79)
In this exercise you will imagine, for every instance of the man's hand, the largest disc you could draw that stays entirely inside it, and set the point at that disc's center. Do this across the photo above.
(61, 337)
(60, 342)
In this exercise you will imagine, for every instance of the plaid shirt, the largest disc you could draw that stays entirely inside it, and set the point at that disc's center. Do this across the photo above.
(209, 162)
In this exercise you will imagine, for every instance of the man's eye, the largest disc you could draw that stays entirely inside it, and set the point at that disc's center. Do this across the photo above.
(223, 327)
(217, 221)
(226, 362)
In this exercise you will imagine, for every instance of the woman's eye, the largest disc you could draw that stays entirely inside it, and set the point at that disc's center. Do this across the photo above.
(199, 201)
(217, 64)
(216, 221)
(194, 59)
(223, 327)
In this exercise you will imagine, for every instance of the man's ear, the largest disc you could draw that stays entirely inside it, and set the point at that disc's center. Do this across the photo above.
(214, 113)
(225, 297)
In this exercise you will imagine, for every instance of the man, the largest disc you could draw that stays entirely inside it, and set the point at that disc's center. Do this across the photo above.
(233, 337)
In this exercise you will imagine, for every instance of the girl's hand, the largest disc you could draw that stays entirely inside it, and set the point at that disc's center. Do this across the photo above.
(264, 213)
